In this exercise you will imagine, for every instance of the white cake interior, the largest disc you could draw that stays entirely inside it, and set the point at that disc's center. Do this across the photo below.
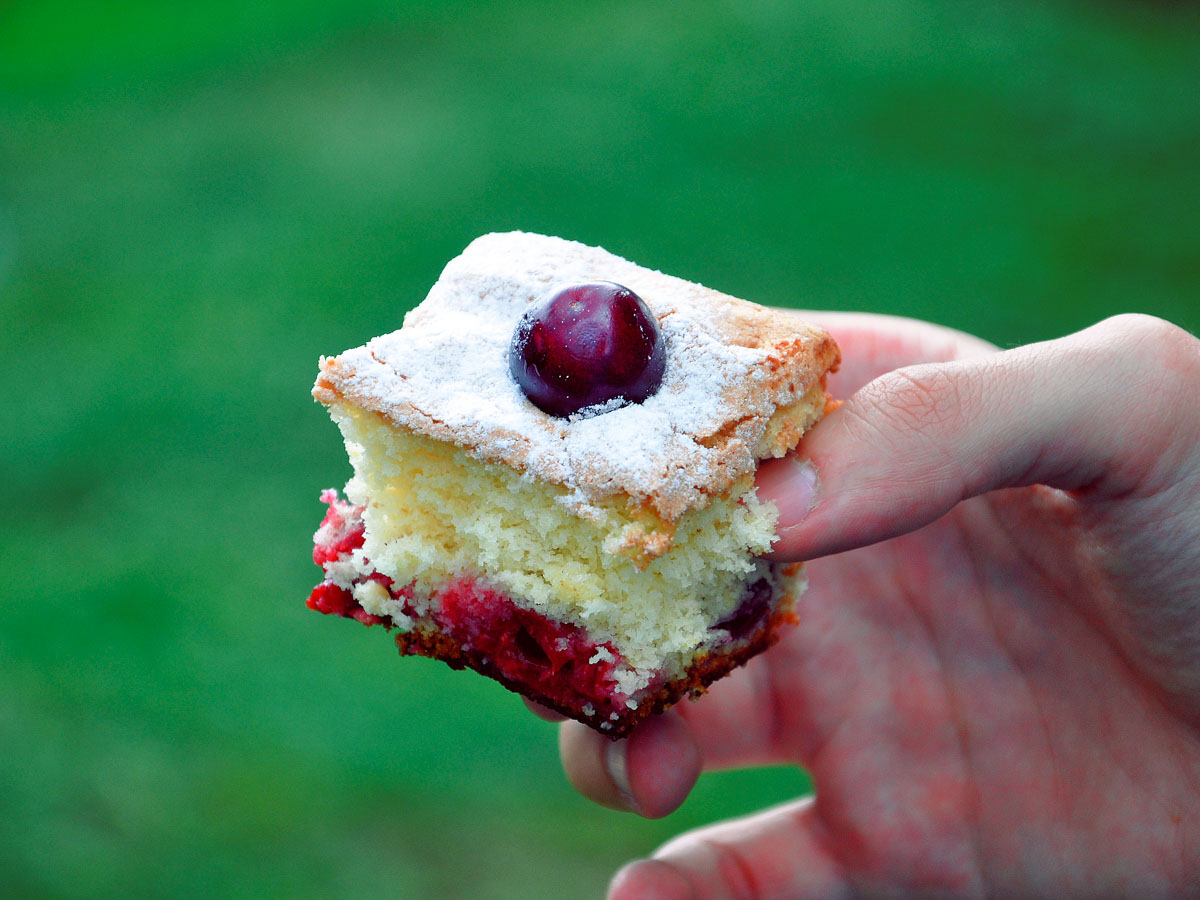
(653, 589)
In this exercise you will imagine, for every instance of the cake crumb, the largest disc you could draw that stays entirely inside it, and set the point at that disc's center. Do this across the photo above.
(602, 654)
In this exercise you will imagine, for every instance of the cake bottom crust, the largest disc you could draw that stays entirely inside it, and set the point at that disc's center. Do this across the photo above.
(616, 724)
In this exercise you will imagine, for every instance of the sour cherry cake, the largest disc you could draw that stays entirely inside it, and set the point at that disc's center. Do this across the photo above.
(553, 479)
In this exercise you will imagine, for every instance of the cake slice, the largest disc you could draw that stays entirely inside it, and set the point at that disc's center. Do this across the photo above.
(601, 557)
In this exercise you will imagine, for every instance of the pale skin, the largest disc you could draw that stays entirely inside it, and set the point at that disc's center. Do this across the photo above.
(995, 680)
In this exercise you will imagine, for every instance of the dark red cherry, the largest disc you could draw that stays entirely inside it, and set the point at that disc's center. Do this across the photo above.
(751, 610)
(585, 345)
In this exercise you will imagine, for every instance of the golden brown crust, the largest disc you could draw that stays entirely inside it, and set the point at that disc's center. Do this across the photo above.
(703, 672)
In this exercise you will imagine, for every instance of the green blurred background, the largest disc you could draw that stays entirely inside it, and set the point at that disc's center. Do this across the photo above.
(196, 201)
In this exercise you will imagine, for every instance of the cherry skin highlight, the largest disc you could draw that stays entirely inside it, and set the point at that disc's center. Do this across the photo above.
(586, 345)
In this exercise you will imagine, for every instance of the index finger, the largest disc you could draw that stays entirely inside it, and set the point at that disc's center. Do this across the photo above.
(873, 345)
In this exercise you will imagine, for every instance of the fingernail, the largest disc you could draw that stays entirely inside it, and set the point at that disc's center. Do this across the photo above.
(617, 766)
(791, 483)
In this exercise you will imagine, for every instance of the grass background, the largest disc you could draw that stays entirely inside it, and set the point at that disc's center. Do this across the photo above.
(196, 202)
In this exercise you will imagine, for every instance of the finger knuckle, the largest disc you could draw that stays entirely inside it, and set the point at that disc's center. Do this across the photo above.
(1150, 370)
(1134, 327)
(919, 397)
(1162, 358)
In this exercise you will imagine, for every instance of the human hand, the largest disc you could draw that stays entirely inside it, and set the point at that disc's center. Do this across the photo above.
(995, 681)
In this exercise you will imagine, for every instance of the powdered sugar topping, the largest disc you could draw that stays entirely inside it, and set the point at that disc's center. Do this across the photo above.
(445, 374)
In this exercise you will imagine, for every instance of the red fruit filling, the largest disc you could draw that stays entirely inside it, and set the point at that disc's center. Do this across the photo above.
(751, 611)
(341, 531)
(551, 659)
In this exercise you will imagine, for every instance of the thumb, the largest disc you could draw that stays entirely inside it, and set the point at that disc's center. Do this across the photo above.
(781, 852)
(1097, 412)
